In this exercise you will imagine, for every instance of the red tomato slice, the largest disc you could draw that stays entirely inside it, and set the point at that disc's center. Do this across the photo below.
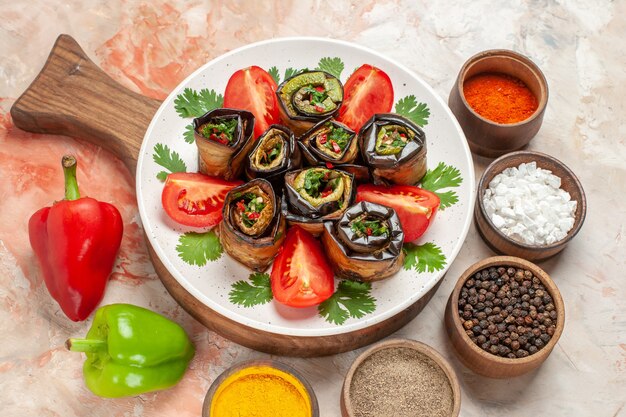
(253, 89)
(416, 207)
(368, 91)
(195, 199)
(301, 275)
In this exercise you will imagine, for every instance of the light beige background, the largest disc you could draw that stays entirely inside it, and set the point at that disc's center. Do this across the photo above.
(151, 46)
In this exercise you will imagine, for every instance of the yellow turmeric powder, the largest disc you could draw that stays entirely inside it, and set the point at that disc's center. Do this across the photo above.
(261, 391)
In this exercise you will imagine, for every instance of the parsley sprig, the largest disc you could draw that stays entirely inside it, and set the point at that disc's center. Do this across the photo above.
(333, 66)
(422, 258)
(351, 299)
(221, 128)
(192, 103)
(188, 135)
(289, 72)
(199, 248)
(313, 181)
(168, 159)
(443, 176)
(364, 227)
(339, 136)
(412, 110)
(248, 294)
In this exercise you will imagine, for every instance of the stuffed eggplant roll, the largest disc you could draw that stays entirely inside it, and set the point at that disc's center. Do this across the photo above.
(366, 243)
(329, 141)
(253, 227)
(274, 154)
(315, 195)
(224, 138)
(394, 148)
(308, 97)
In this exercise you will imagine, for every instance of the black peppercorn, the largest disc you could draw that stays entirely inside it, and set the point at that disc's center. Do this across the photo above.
(507, 312)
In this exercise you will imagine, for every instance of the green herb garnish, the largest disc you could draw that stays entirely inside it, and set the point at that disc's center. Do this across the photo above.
(250, 207)
(248, 294)
(333, 66)
(198, 248)
(418, 113)
(168, 159)
(422, 258)
(221, 130)
(443, 176)
(189, 133)
(351, 299)
(316, 98)
(365, 227)
(338, 136)
(313, 181)
(273, 72)
(192, 103)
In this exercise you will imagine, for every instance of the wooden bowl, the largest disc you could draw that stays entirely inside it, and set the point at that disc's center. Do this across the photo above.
(346, 401)
(208, 399)
(488, 138)
(485, 363)
(503, 244)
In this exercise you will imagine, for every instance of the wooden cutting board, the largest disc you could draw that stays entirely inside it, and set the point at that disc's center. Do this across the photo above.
(73, 96)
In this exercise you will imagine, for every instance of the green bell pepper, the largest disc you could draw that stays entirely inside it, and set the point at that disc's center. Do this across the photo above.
(131, 350)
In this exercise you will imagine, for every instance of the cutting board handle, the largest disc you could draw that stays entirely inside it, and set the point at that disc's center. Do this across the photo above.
(73, 96)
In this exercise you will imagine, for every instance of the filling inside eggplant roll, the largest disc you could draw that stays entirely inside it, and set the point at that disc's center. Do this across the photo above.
(252, 212)
(271, 150)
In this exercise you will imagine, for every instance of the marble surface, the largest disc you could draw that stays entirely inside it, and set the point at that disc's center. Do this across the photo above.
(150, 46)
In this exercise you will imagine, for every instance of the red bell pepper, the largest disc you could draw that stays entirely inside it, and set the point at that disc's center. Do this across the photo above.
(76, 242)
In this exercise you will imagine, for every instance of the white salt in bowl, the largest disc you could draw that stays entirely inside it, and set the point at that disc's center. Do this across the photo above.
(506, 245)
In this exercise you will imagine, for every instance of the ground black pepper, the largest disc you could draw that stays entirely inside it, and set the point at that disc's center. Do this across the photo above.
(514, 318)
(400, 382)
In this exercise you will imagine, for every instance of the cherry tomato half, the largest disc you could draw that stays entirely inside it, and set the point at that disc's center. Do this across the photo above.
(367, 92)
(301, 275)
(416, 207)
(253, 89)
(195, 199)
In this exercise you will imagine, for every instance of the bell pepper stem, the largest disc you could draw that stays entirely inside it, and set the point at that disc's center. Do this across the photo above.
(85, 345)
(71, 184)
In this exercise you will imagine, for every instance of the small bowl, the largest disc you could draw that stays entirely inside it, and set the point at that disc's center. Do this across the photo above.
(347, 409)
(206, 407)
(503, 244)
(488, 138)
(487, 364)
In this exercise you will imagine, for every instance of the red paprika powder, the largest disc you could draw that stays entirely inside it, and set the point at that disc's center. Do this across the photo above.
(500, 98)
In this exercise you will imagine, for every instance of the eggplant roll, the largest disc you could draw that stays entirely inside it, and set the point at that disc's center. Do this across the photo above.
(274, 154)
(224, 138)
(329, 141)
(308, 97)
(366, 243)
(394, 148)
(315, 195)
(253, 227)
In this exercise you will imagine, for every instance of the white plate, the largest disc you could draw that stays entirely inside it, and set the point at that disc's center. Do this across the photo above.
(211, 283)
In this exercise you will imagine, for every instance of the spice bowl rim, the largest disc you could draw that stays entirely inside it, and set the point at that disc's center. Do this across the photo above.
(531, 156)
(542, 101)
(508, 261)
(424, 349)
(208, 399)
